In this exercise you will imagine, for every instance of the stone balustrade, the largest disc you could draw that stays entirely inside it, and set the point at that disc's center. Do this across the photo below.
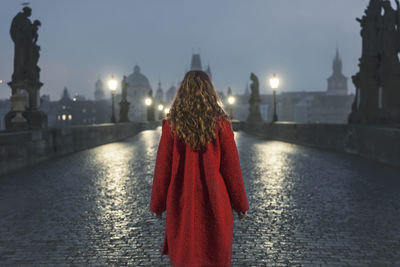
(25, 148)
(376, 143)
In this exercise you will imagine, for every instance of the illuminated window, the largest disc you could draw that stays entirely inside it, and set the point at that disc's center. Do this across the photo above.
(70, 117)
(64, 117)
(59, 117)
(64, 107)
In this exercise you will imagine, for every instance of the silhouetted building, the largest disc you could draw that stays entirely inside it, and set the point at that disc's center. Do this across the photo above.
(76, 110)
(99, 90)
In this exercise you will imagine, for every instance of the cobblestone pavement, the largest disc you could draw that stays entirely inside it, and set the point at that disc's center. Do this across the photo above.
(309, 207)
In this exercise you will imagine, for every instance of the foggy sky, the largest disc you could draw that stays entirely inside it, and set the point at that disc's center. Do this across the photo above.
(82, 41)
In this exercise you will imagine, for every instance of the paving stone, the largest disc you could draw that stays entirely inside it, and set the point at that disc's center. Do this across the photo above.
(308, 207)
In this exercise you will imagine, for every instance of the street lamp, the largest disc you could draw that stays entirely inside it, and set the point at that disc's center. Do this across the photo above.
(150, 106)
(112, 84)
(231, 100)
(160, 107)
(148, 101)
(274, 83)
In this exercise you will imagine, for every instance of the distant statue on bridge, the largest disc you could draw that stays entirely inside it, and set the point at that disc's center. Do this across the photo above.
(255, 100)
(124, 104)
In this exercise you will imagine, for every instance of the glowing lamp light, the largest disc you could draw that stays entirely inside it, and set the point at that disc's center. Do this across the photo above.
(112, 84)
(274, 82)
(64, 117)
(166, 110)
(160, 107)
(148, 101)
(231, 100)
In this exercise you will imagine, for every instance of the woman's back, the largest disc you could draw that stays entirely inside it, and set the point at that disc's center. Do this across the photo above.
(197, 180)
(198, 203)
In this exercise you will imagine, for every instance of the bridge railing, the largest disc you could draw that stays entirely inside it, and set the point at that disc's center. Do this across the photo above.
(25, 148)
(373, 142)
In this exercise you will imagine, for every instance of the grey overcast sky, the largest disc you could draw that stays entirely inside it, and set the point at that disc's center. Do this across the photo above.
(85, 40)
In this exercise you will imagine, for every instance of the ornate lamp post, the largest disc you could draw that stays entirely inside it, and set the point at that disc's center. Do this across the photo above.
(160, 108)
(112, 84)
(274, 83)
(231, 101)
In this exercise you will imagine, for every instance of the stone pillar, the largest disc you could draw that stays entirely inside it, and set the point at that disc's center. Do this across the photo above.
(34, 117)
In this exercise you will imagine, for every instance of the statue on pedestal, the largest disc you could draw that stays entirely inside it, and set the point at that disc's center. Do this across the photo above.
(25, 77)
(377, 99)
(255, 100)
(124, 104)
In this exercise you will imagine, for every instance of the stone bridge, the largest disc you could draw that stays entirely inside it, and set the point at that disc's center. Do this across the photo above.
(308, 206)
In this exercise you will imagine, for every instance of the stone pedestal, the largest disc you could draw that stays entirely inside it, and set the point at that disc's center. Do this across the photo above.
(34, 118)
(124, 111)
(254, 109)
(150, 113)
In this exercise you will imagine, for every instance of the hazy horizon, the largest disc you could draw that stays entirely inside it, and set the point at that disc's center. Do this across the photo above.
(83, 41)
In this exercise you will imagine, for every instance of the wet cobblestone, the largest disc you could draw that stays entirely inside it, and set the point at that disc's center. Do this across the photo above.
(309, 207)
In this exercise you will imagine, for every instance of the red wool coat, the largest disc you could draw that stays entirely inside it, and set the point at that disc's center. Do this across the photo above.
(198, 190)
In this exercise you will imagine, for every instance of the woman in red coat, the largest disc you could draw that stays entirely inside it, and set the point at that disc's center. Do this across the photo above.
(197, 177)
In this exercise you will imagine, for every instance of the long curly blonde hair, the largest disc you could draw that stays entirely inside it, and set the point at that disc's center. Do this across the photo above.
(195, 110)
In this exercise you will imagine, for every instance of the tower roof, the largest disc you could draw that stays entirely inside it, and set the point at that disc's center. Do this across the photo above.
(337, 63)
(196, 62)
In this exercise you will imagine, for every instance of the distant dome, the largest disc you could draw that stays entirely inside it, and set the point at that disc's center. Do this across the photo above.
(99, 83)
(137, 79)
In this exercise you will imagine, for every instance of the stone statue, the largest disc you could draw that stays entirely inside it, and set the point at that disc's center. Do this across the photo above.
(21, 32)
(255, 100)
(377, 99)
(388, 36)
(369, 28)
(124, 86)
(34, 68)
(124, 104)
(255, 85)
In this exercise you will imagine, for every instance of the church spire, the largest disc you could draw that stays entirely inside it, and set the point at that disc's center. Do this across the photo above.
(208, 71)
(337, 63)
(159, 93)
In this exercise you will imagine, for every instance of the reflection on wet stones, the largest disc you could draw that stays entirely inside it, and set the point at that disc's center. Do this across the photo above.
(308, 207)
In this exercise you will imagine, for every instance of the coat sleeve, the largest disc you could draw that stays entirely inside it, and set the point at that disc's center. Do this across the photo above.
(230, 168)
(162, 171)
